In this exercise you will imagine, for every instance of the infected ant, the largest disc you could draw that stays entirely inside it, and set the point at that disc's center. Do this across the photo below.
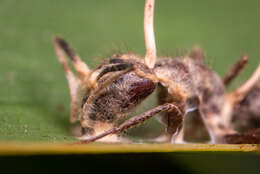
(116, 87)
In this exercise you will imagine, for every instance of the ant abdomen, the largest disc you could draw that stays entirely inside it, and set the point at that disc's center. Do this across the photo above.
(247, 113)
(188, 81)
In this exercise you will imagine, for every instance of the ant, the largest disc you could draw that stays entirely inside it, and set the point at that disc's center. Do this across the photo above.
(116, 87)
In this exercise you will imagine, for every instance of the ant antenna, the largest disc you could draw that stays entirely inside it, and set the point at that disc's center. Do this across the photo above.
(150, 56)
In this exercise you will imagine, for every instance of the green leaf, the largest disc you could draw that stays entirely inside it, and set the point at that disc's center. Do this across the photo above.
(34, 96)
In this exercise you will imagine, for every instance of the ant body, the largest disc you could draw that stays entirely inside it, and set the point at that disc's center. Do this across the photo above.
(114, 89)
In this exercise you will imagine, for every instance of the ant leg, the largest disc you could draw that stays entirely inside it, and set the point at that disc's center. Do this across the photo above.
(239, 93)
(81, 68)
(168, 107)
(73, 81)
(215, 126)
(178, 136)
(174, 128)
(97, 129)
(210, 126)
(174, 123)
(235, 70)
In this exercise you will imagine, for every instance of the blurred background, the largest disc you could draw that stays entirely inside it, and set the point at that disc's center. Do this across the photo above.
(34, 96)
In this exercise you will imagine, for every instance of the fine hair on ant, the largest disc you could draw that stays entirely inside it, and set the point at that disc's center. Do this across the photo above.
(101, 97)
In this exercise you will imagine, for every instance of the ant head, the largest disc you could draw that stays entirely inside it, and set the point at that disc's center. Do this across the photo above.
(115, 88)
(120, 84)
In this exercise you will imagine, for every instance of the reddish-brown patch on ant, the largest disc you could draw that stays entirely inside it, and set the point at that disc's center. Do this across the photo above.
(100, 98)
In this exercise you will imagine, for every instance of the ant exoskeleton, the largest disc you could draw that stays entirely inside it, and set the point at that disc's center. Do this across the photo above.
(114, 89)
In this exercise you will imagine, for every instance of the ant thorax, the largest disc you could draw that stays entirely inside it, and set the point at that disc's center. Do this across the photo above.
(191, 82)
(188, 83)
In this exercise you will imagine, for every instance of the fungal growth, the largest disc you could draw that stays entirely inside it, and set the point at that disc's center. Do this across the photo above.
(102, 97)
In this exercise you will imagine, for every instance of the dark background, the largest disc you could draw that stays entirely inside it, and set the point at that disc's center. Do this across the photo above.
(202, 162)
